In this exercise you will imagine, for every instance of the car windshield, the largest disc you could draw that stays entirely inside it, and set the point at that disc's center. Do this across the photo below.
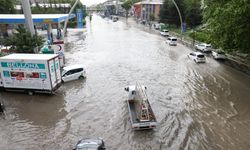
(200, 56)
(174, 39)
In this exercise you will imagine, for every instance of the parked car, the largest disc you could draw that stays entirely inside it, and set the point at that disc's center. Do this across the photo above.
(164, 32)
(218, 55)
(198, 57)
(157, 26)
(172, 41)
(143, 22)
(73, 72)
(115, 18)
(203, 47)
(90, 144)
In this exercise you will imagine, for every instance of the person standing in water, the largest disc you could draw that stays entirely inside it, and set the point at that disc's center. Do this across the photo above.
(1, 108)
(90, 17)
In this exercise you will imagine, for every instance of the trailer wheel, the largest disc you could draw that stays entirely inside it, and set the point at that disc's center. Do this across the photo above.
(30, 93)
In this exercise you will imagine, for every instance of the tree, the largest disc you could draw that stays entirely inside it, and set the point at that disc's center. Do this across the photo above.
(127, 5)
(193, 13)
(27, 44)
(7, 6)
(228, 24)
(169, 13)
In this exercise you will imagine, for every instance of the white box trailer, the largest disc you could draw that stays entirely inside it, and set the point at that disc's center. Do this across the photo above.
(30, 72)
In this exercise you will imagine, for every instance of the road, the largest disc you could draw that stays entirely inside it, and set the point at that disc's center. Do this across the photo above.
(198, 106)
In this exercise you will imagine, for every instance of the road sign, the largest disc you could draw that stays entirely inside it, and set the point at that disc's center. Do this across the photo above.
(79, 14)
(184, 27)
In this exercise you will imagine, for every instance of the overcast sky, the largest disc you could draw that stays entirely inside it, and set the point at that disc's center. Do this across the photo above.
(91, 2)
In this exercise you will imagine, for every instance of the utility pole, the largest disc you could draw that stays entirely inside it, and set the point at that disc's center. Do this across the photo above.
(117, 7)
(67, 19)
(28, 16)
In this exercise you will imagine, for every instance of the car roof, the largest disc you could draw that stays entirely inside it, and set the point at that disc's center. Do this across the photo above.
(205, 44)
(72, 67)
(198, 53)
(172, 37)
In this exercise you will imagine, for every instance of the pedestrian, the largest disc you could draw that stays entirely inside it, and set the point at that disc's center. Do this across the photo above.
(1, 108)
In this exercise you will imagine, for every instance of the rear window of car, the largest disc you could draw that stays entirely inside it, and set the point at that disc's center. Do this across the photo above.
(200, 56)
(173, 39)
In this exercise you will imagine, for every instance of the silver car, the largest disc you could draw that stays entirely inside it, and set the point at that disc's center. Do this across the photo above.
(198, 57)
(218, 55)
(203, 47)
(90, 144)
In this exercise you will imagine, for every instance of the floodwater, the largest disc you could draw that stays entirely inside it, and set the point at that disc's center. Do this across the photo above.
(198, 106)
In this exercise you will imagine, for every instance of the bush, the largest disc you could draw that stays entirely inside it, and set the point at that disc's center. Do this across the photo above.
(201, 36)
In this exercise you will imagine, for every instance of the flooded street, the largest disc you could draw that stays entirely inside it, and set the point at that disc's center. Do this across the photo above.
(198, 106)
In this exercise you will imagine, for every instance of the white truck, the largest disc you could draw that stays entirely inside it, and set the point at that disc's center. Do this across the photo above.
(140, 112)
(30, 73)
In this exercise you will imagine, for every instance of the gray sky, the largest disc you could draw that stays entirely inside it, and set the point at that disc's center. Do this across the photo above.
(91, 2)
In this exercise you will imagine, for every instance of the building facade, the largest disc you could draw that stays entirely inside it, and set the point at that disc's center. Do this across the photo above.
(147, 10)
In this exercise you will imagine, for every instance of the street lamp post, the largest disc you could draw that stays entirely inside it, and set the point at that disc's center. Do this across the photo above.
(179, 15)
(66, 21)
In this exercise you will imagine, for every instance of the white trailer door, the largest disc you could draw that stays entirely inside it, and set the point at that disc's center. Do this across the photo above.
(52, 73)
(1, 80)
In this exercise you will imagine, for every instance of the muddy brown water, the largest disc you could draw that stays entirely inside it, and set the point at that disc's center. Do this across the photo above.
(198, 106)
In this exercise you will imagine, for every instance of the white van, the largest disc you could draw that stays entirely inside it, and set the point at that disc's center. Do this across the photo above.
(172, 41)
(73, 72)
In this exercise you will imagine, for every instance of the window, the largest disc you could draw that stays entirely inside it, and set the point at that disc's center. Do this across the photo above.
(78, 70)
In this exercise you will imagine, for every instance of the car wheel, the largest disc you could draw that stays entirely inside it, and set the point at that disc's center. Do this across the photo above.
(30, 93)
(81, 77)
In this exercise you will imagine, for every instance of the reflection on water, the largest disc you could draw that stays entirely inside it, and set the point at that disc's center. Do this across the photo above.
(198, 106)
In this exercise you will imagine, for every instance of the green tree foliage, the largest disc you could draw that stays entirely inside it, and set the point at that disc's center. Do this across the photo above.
(151, 17)
(23, 41)
(127, 5)
(7, 6)
(193, 12)
(169, 13)
(228, 24)
(190, 10)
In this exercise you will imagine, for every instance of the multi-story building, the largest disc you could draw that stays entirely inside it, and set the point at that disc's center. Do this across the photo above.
(148, 8)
